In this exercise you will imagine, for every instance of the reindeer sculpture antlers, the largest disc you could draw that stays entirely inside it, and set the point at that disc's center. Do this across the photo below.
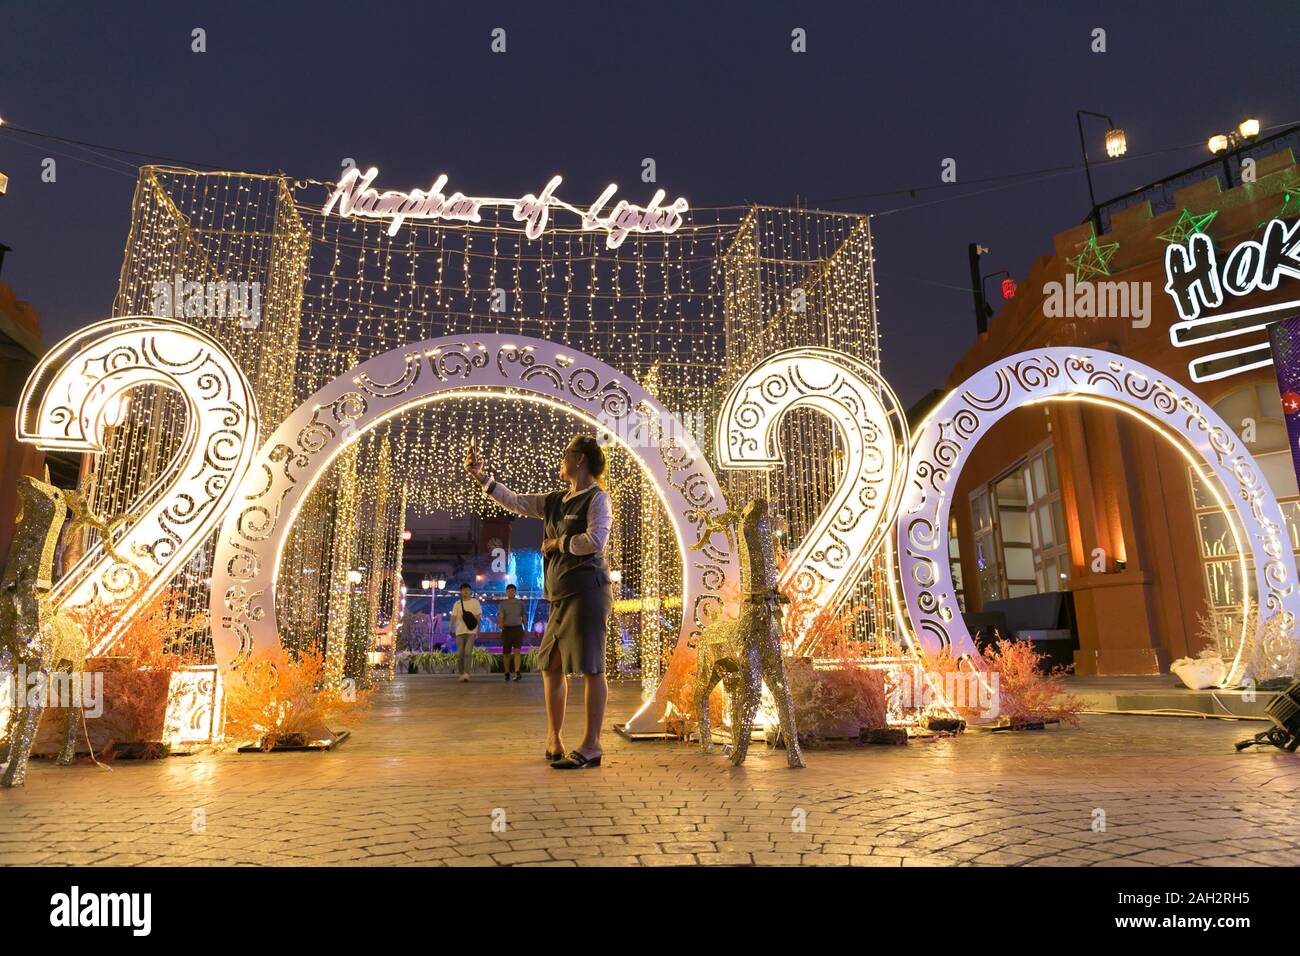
(722, 523)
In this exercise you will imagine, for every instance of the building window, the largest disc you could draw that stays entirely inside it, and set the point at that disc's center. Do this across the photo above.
(1047, 521)
(988, 563)
(954, 565)
(1257, 408)
(1019, 530)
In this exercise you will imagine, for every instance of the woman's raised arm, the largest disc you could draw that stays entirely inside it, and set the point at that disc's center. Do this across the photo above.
(530, 506)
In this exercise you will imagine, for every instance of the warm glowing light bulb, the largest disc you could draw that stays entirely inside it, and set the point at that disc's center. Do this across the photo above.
(1116, 143)
(1248, 128)
(1218, 143)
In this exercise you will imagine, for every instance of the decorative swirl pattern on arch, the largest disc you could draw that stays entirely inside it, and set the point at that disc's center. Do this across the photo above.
(943, 441)
(253, 536)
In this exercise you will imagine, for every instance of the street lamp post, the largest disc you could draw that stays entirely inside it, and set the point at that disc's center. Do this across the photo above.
(1116, 145)
(1231, 143)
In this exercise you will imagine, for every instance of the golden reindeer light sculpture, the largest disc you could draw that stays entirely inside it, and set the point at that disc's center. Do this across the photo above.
(39, 640)
(746, 652)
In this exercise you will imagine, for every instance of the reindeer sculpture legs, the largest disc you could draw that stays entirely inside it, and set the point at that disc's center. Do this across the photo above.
(712, 666)
(746, 652)
(68, 752)
(23, 723)
(702, 692)
(774, 673)
(29, 627)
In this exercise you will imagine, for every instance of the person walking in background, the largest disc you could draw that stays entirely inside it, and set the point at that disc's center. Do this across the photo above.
(576, 527)
(465, 618)
(510, 615)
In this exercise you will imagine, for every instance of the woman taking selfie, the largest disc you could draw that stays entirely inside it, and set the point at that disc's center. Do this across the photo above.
(576, 527)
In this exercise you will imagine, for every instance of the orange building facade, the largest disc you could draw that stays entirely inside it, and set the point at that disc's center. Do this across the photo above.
(1078, 498)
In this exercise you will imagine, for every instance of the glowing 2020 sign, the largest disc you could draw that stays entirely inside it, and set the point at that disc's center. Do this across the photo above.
(943, 441)
(870, 424)
(70, 397)
(253, 536)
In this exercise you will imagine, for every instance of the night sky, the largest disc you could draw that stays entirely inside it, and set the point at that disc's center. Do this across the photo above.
(711, 91)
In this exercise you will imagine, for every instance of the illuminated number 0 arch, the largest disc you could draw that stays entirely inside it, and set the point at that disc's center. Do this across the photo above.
(943, 441)
(256, 528)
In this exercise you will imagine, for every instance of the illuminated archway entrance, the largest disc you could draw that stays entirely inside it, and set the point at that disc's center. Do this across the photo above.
(943, 441)
(254, 533)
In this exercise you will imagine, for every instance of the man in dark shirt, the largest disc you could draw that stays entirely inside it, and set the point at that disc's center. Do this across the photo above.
(510, 615)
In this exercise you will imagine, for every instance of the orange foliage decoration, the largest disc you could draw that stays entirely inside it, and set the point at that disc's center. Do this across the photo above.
(279, 698)
(1026, 693)
(841, 697)
(679, 691)
(137, 677)
(678, 682)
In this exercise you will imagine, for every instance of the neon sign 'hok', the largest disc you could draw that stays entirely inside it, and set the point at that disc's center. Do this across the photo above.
(354, 196)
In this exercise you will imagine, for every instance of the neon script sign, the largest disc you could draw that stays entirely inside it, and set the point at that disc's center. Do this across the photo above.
(355, 196)
(1197, 281)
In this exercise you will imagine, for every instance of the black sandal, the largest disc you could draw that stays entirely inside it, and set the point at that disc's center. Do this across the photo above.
(576, 761)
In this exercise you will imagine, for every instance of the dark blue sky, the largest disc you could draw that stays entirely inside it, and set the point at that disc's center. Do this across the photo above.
(711, 91)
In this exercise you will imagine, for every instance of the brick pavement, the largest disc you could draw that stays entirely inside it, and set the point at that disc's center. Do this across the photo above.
(432, 760)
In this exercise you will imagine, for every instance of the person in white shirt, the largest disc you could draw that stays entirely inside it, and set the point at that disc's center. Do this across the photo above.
(576, 526)
(466, 616)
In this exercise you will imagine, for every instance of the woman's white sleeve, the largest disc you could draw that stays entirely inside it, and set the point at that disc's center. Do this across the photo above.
(600, 518)
(530, 506)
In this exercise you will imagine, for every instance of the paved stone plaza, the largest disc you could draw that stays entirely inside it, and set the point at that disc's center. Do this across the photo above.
(430, 762)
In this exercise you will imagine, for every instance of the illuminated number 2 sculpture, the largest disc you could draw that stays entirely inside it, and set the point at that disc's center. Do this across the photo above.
(869, 423)
(78, 389)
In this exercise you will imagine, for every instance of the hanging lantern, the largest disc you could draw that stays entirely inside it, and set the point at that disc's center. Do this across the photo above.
(1116, 144)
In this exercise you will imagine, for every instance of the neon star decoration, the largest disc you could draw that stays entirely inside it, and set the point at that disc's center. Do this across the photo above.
(1094, 259)
(1290, 204)
(1187, 225)
(354, 196)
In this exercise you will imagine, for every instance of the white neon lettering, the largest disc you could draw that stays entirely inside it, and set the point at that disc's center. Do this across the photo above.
(355, 196)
